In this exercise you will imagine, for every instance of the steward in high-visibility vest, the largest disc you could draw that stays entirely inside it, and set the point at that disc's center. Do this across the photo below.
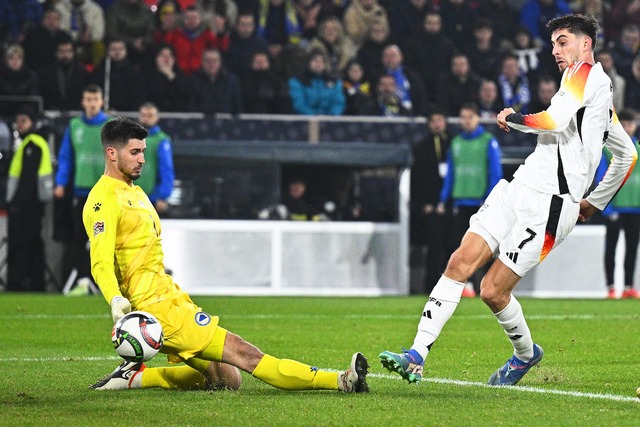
(29, 186)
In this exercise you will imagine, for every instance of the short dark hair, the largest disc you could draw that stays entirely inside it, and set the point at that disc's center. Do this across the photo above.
(118, 131)
(471, 106)
(626, 115)
(576, 24)
(92, 88)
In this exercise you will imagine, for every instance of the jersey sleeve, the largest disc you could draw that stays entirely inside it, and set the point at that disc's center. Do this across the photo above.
(100, 217)
(622, 163)
(564, 104)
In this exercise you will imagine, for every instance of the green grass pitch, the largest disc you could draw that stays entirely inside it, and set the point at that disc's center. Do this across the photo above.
(52, 347)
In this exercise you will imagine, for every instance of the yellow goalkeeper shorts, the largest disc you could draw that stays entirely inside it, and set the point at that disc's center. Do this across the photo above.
(187, 329)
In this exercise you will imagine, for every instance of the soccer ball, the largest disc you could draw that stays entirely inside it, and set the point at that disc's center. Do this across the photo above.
(137, 336)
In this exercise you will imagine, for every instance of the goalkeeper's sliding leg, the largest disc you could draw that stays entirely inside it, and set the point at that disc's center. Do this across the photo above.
(216, 368)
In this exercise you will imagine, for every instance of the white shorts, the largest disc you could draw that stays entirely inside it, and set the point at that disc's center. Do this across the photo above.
(522, 225)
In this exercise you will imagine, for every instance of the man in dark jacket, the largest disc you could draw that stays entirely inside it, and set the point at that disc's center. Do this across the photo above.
(125, 89)
(429, 53)
(215, 89)
(61, 83)
(40, 42)
(428, 227)
(244, 43)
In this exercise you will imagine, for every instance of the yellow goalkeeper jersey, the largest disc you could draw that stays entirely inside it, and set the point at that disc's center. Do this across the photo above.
(126, 253)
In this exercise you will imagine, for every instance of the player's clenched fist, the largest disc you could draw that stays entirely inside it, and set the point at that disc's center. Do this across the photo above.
(502, 118)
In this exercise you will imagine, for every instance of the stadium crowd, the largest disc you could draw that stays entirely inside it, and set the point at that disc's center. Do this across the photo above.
(388, 58)
(302, 56)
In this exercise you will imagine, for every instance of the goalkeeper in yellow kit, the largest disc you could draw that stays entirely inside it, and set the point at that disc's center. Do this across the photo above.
(127, 264)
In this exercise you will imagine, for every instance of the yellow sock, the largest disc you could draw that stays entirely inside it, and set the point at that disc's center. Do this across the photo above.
(174, 377)
(291, 375)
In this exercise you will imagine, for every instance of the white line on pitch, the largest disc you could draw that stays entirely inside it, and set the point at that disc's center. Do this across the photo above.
(461, 383)
(59, 359)
(348, 316)
(526, 389)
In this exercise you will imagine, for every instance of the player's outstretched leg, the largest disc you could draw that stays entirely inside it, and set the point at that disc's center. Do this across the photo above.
(513, 371)
(404, 364)
(354, 379)
(126, 375)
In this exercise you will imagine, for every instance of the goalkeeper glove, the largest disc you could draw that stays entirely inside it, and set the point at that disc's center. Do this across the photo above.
(119, 307)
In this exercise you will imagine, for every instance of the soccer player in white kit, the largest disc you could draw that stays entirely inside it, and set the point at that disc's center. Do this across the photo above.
(522, 220)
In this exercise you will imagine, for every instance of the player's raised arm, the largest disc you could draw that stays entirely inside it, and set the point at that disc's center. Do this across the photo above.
(571, 96)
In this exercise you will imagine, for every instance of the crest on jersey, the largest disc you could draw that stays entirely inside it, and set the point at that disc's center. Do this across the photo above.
(202, 318)
(98, 227)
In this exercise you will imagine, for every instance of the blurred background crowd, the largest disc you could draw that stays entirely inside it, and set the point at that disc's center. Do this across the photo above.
(332, 57)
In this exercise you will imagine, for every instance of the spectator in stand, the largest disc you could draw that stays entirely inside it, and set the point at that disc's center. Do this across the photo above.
(458, 87)
(427, 173)
(370, 54)
(625, 49)
(165, 85)
(22, 15)
(299, 208)
(16, 79)
(357, 90)
(80, 165)
(279, 26)
(406, 19)
(84, 20)
(546, 88)
(387, 101)
(191, 40)
(599, 10)
(429, 54)
(317, 91)
(489, 103)
(623, 213)
(605, 59)
(310, 14)
(335, 44)
(134, 22)
(29, 186)
(61, 83)
(457, 22)
(214, 89)
(502, 15)
(359, 16)
(473, 169)
(245, 42)
(159, 175)
(632, 94)
(217, 18)
(484, 53)
(219, 15)
(263, 91)
(513, 85)
(168, 20)
(408, 83)
(40, 42)
(535, 14)
(532, 59)
(125, 81)
(623, 13)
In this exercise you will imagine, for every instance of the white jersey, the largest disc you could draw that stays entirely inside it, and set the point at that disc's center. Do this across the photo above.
(571, 134)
